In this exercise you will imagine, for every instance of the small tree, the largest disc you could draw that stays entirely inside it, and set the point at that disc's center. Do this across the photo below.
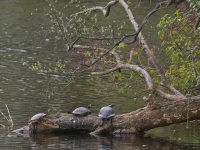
(106, 48)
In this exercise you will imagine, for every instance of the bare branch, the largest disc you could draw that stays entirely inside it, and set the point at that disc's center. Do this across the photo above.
(194, 64)
(105, 10)
(151, 85)
(2, 126)
(107, 51)
(142, 40)
(148, 51)
(156, 8)
(99, 48)
(135, 35)
(176, 2)
(197, 23)
(3, 115)
(96, 38)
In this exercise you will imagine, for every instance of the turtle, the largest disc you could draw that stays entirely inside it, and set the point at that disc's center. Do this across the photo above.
(82, 111)
(106, 112)
(36, 118)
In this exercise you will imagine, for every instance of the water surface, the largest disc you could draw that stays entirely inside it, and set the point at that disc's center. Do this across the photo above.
(24, 36)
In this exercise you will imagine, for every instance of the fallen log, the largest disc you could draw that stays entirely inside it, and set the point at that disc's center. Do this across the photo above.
(155, 114)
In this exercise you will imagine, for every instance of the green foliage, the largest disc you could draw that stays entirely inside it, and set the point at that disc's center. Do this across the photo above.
(10, 121)
(36, 66)
(99, 34)
(122, 45)
(57, 67)
(182, 46)
(195, 4)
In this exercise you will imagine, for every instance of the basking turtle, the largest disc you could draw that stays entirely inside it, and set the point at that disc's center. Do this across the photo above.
(82, 111)
(36, 118)
(106, 112)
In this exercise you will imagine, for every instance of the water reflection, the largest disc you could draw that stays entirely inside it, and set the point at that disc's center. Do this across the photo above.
(86, 142)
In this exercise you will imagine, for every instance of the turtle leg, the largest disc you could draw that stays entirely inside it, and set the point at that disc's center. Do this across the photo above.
(30, 130)
(101, 123)
(34, 128)
(110, 121)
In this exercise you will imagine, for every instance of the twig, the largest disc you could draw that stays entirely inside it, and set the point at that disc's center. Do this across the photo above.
(155, 9)
(9, 115)
(197, 23)
(105, 10)
(1, 125)
(4, 115)
(10, 118)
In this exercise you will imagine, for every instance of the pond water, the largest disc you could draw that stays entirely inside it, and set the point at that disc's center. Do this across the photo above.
(24, 37)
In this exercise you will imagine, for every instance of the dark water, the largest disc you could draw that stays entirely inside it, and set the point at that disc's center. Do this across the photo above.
(24, 36)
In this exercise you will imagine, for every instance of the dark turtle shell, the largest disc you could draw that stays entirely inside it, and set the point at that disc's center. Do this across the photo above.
(81, 111)
(36, 117)
(107, 112)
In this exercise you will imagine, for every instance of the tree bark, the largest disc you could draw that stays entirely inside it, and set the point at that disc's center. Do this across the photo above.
(155, 114)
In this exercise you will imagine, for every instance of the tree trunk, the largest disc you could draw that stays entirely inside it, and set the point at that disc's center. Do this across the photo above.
(155, 114)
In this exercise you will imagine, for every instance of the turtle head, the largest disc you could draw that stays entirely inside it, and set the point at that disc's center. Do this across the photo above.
(110, 105)
(89, 106)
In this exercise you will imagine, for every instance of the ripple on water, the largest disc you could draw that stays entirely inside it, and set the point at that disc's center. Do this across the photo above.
(2, 66)
(2, 51)
(16, 50)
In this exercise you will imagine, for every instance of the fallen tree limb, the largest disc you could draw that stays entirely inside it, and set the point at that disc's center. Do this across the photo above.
(155, 114)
